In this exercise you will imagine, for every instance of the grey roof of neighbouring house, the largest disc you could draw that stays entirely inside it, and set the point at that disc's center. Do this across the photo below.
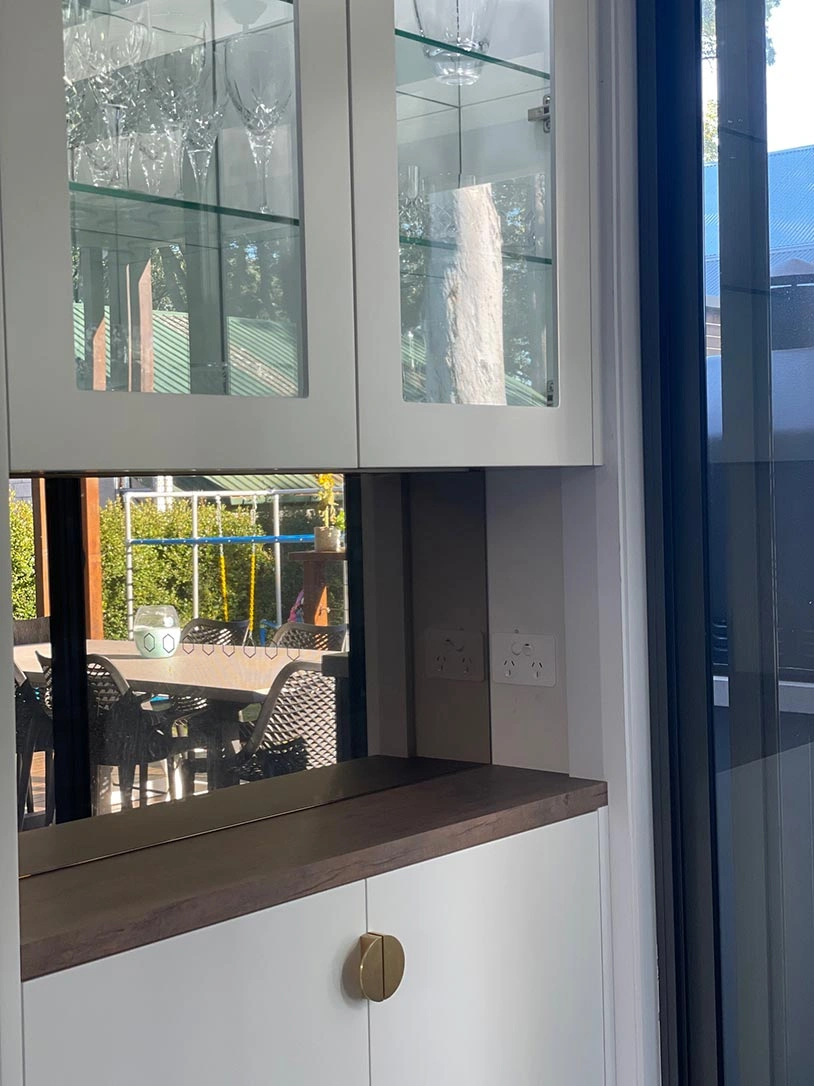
(791, 214)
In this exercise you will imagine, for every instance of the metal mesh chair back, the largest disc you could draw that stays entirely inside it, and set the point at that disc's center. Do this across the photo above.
(206, 631)
(300, 705)
(106, 685)
(302, 635)
(47, 688)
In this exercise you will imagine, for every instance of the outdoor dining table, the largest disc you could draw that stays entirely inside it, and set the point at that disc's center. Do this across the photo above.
(233, 673)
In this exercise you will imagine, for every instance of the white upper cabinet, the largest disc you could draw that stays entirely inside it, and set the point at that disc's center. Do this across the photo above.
(177, 246)
(222, 218)
(472, 193)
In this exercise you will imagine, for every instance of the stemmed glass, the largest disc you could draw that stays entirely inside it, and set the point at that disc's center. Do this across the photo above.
(175, 70)
(76, 121)
(466, 24)
(117, 43)
(152, 144)
(259, 78)
(206, 117)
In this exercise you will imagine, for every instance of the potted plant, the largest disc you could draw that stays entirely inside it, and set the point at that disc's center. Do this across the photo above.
(327, 535)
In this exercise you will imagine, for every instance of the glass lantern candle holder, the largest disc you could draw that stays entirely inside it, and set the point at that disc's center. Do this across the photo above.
(157, 631)
(466, 26)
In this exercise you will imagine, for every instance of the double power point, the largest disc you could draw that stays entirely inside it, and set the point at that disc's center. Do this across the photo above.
(518, 659)
(523, 659)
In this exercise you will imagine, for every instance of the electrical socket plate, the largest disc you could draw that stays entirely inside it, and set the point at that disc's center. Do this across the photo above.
(454, 654)
(523, 659)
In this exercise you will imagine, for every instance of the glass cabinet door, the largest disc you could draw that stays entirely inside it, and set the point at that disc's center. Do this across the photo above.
(186, 143)
(479, 366)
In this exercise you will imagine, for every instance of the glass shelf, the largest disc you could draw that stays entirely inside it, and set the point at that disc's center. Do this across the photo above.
(485, 58)
(417, 78)
(111, 218)
(451, 246)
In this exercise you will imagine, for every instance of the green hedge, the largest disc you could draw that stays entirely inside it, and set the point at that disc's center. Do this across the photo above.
(23, 580)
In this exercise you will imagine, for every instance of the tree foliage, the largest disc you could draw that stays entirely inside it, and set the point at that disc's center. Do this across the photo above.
(23, 577)
(163, 573)
(709, 41)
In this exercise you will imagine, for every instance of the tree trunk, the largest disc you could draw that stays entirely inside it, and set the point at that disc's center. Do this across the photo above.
(464, 306)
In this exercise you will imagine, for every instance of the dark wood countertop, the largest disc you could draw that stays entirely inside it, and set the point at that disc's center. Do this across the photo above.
(94, 909)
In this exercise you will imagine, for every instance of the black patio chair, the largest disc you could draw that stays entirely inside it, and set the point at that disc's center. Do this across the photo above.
(208, 631)
(303, 635)
(35, 734)
(32, 631)
(123, 734)
(295, 729)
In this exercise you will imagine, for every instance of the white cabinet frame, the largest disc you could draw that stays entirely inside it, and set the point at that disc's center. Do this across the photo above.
(394, 433)
(55, 426)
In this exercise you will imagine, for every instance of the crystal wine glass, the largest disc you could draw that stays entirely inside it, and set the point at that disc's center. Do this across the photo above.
(260, 80)
(76, 121)
(175, 71)
(206, 117)
(151, 147)
(464, 24)
(117, 44)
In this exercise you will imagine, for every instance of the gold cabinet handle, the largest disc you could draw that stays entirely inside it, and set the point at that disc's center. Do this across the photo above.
(381, 967)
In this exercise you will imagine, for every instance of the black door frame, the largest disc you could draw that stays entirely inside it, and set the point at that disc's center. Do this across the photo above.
(674, 425)
(676, 479)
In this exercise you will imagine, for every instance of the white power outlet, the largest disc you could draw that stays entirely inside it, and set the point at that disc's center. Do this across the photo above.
(454, 654)
(524, 659)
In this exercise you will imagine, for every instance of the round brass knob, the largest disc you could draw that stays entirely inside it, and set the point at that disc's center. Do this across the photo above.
(381, 967)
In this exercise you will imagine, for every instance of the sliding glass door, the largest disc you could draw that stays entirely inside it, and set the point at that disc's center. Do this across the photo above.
(731, 474)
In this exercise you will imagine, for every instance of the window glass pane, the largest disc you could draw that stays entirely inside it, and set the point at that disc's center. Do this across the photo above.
(212, 604)
(475, 204)
(182, 154)
(760, 367)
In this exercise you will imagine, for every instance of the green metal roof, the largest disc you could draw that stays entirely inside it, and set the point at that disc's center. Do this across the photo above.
(264, 359)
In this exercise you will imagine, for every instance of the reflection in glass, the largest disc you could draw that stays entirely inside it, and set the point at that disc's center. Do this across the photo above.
(205, 638)
(475, 225)
(184, 198)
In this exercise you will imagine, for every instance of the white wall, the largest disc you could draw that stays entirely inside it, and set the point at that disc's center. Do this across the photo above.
(525, 591)
(11, 1059)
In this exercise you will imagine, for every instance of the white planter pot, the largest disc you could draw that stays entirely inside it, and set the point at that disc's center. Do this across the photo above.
(327, 539)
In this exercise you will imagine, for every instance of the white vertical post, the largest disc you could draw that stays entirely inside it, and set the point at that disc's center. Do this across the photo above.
(128, 564)
(278, 558)
(196, 608)
(346, 619)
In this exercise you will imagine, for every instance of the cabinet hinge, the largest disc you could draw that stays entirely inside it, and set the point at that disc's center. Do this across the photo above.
(542, 113)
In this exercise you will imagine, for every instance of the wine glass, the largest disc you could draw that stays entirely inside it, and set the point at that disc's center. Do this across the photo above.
(117, 43)
(465, 24)
(101, 149)
(76, 121)
(260, 79)
(151, 146)
(175, 71)
(205, 119)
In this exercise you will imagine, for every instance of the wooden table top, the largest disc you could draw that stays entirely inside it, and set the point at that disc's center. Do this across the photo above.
(223, 672)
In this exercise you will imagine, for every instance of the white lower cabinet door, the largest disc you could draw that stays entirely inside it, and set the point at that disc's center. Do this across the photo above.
(259, 999)
(503, 980)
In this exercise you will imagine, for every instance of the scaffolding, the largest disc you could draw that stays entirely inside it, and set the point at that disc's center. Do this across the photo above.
(195, 541)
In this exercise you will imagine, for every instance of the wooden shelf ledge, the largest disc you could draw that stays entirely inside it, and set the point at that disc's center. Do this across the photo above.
(105, 906)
